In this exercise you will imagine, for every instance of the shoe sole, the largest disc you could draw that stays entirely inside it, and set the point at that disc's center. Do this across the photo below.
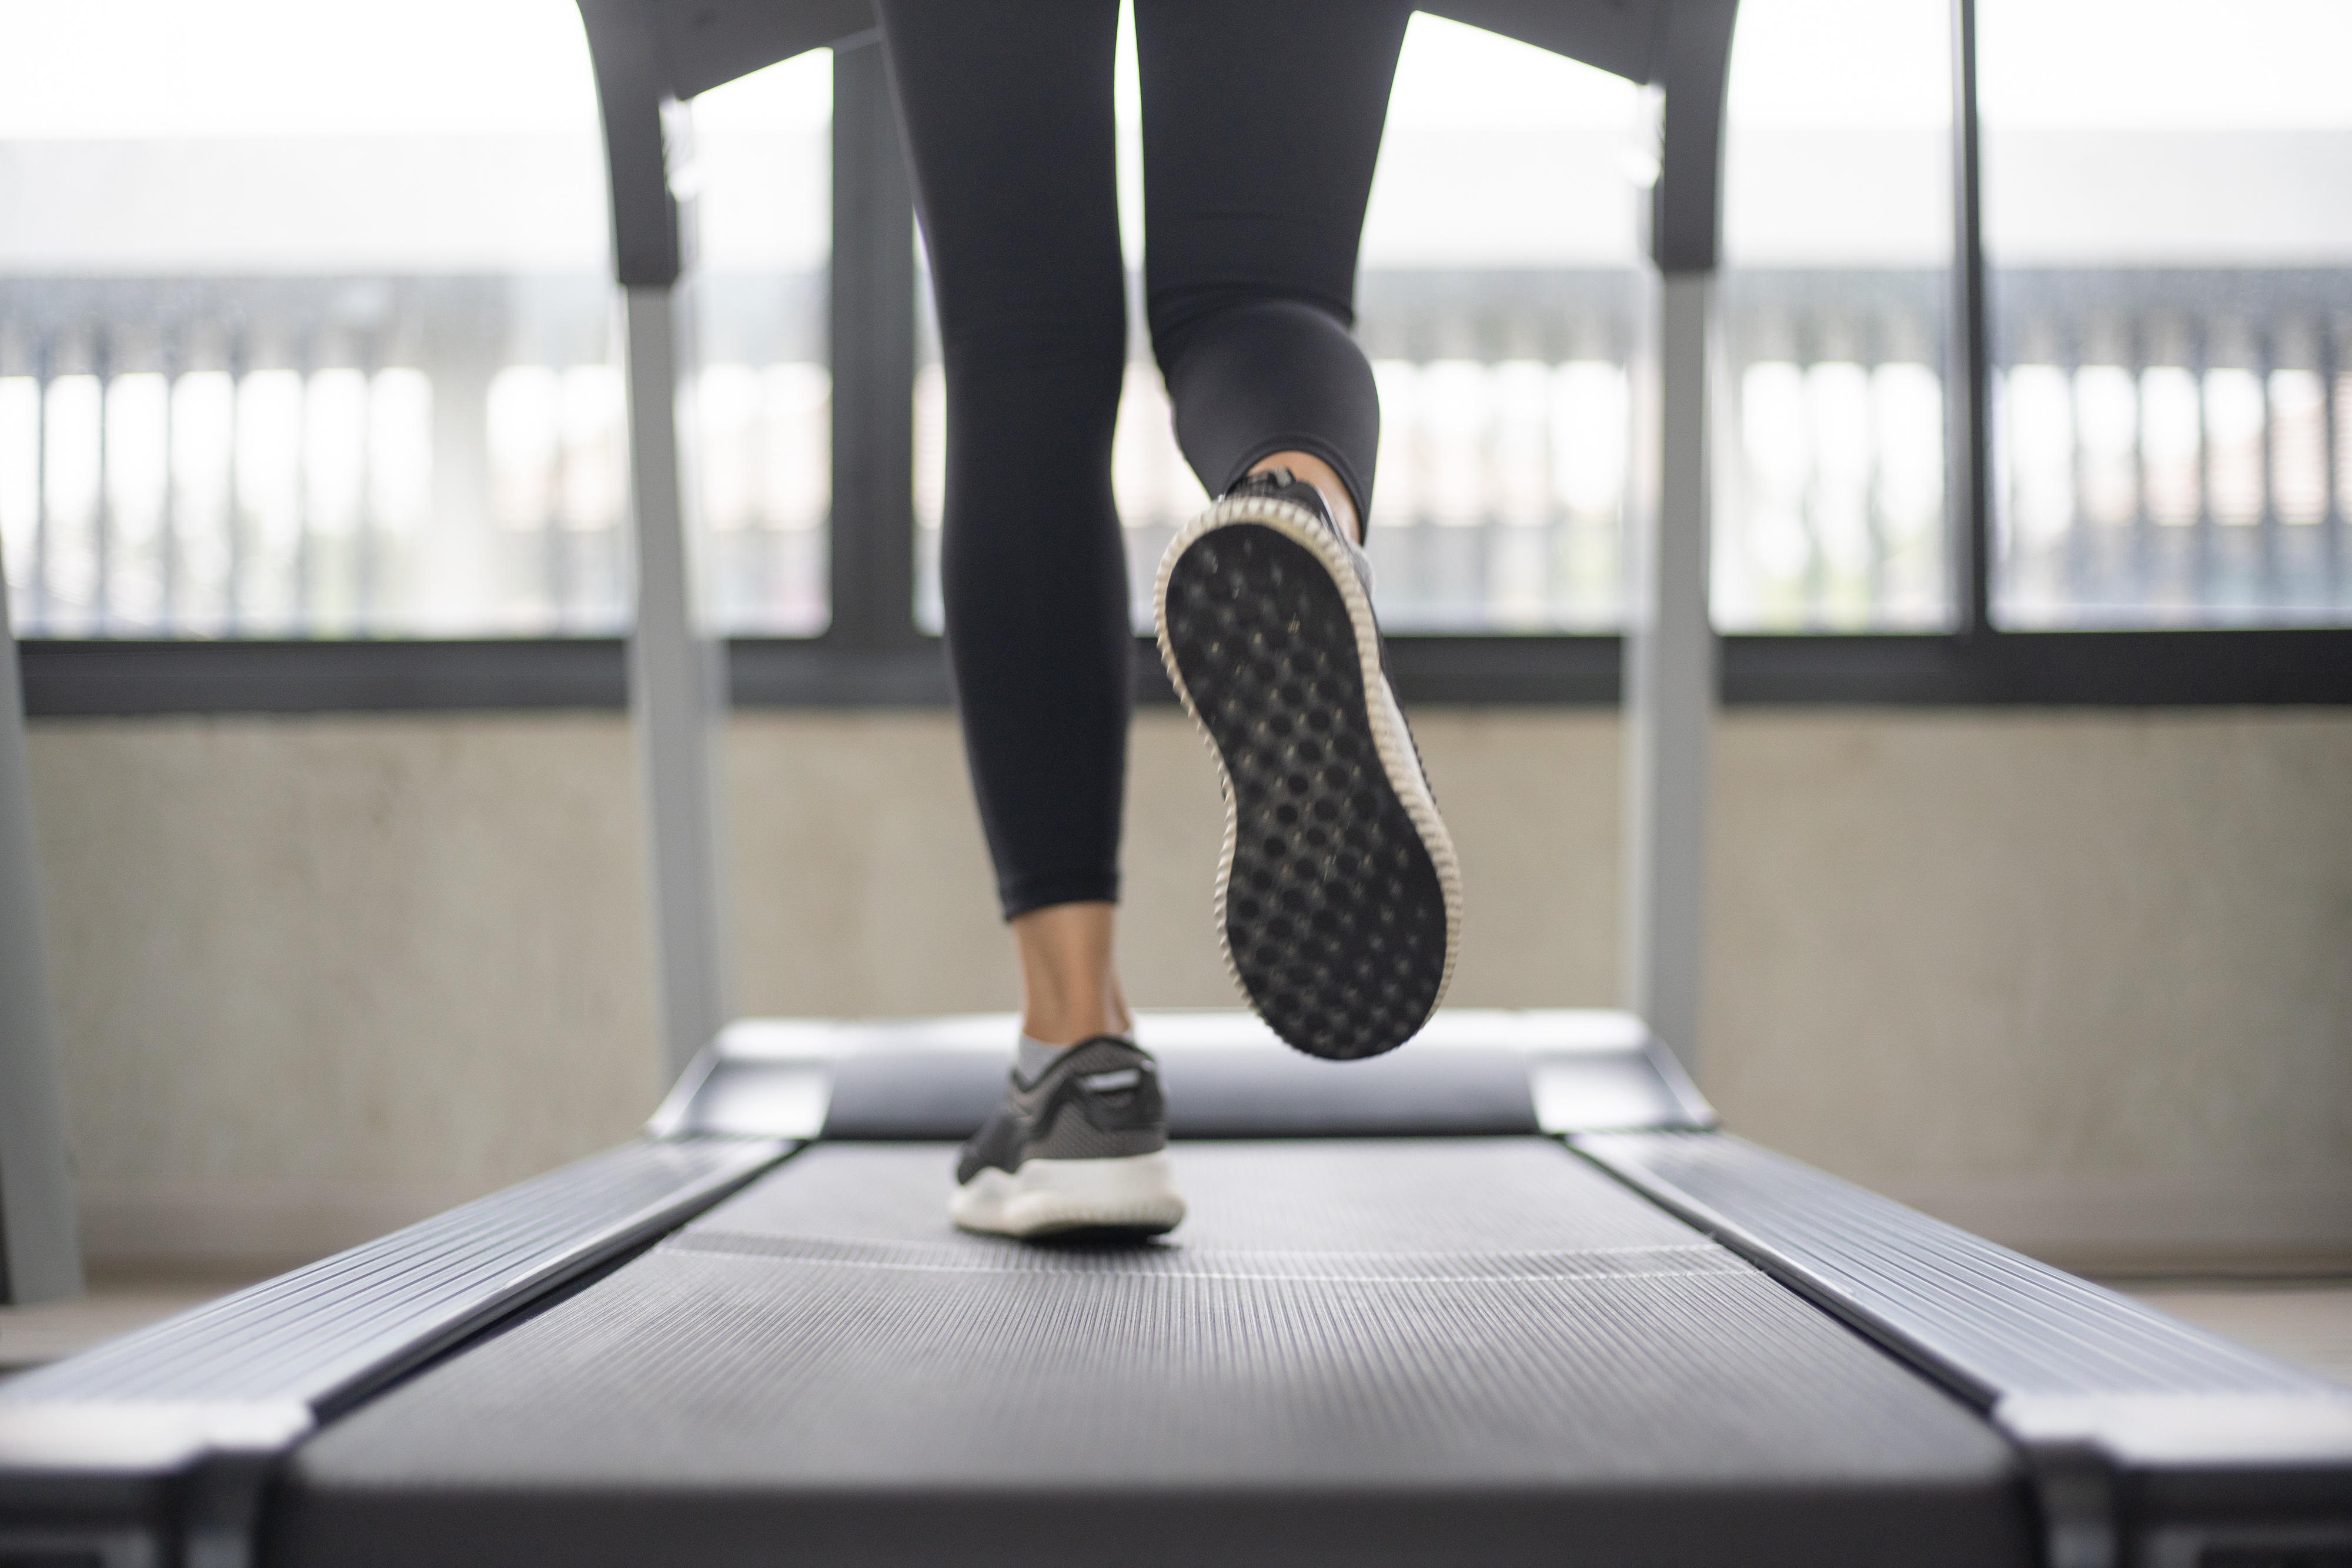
(1338, 903)
(1135, 1194)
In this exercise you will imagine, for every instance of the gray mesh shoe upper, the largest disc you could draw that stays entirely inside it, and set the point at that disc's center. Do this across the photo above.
(1099, 1099)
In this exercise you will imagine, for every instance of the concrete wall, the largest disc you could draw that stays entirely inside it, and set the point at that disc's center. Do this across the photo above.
(2082, 981)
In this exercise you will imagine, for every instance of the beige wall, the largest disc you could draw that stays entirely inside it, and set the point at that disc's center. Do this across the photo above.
(861, 885)
(2081, 980)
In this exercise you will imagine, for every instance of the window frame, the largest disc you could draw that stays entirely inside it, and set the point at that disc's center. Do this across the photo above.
(872, 655)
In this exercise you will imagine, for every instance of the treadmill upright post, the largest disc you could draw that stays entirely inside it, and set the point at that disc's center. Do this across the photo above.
(40, 1251)
(676, 690)
(1670, 654)
(676, 687)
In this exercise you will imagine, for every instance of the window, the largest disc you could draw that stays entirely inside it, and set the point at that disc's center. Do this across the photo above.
(1498, 303)
(762, 182)
(303, 322)
(332, 354)
(2169, 240)
(1834, 314)
(328, 380)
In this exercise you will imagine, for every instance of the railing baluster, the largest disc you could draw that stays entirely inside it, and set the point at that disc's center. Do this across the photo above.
(363, 520)
(2083, 573)
(1808, 507)
(2201, 586)
(2336, 468)
(2143, 518)
(303, 621)
(101, 510)
(560, 459)
(167, 514)
(2265, 357)
(44, 360)
(760, 546)
(233, 588)
(1870, 351)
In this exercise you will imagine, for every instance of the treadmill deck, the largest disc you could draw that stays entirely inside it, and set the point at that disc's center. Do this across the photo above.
(1433, 1350)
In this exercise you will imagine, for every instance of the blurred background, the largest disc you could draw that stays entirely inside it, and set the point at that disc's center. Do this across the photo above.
(307, 341)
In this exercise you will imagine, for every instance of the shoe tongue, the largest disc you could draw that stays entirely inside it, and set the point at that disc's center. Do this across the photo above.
(1285, 485)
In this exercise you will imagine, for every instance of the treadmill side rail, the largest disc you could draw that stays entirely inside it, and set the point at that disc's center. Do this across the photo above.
(153, 1432)
(2189, 1433)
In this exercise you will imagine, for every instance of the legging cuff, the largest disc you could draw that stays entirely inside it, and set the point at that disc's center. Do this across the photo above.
(1041, 889)
(1314, 447)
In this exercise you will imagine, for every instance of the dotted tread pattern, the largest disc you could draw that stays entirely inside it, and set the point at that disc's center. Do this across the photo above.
(1338, 897)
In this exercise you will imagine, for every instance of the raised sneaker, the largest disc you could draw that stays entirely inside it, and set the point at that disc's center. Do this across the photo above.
(1338, 900)
(1084, 1146)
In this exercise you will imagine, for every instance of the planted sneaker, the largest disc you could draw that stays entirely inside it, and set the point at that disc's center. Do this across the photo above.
(1083, 1147)
(1338, 900)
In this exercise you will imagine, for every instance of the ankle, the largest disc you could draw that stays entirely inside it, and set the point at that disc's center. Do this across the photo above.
(1069, 984)
(1060, 1029)
(1314, 471)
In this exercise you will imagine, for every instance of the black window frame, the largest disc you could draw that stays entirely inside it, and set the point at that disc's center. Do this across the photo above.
(872, 655)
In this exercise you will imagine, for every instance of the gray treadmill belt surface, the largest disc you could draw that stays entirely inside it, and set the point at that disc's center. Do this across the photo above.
(1417, 1351)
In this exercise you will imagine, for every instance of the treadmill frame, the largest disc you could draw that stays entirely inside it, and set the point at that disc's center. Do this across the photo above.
(2151, 1444)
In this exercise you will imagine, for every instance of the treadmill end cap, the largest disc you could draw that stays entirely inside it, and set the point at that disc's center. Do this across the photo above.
(135, 1437)
(2197, 1431)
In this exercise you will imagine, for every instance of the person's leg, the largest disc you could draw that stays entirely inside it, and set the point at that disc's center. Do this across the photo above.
(1069, 980)
(1007, 111)
(1262, 124)
(1338, 898)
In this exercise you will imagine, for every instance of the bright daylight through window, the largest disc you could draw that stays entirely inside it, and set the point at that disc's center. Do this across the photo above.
(762, 183)
(306, 326)
(2167, 214)
(1834, 319)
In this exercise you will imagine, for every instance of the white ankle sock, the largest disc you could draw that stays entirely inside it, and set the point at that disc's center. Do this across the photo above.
(1036, 1056)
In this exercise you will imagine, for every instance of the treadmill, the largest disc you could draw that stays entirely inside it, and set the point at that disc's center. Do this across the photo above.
(1508, 1295)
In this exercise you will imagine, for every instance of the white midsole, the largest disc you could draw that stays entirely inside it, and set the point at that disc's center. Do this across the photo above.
(1390, 736)
(1134, 1193)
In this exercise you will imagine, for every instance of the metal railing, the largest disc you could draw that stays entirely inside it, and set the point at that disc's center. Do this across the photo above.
(1507, 432)
(1829, 482)
(405, 456)
(385, 456)
(2171, 446)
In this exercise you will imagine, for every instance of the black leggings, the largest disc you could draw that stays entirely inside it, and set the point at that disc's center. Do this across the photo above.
(1261, 123)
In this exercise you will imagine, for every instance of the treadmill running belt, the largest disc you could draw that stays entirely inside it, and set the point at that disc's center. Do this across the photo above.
(1418, 1351)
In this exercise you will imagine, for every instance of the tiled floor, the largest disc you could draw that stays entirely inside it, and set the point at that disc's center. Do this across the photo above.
(2307, 1321)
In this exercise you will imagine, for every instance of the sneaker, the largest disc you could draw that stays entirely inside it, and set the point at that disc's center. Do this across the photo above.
(1338, 899)
(1084, 1147)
